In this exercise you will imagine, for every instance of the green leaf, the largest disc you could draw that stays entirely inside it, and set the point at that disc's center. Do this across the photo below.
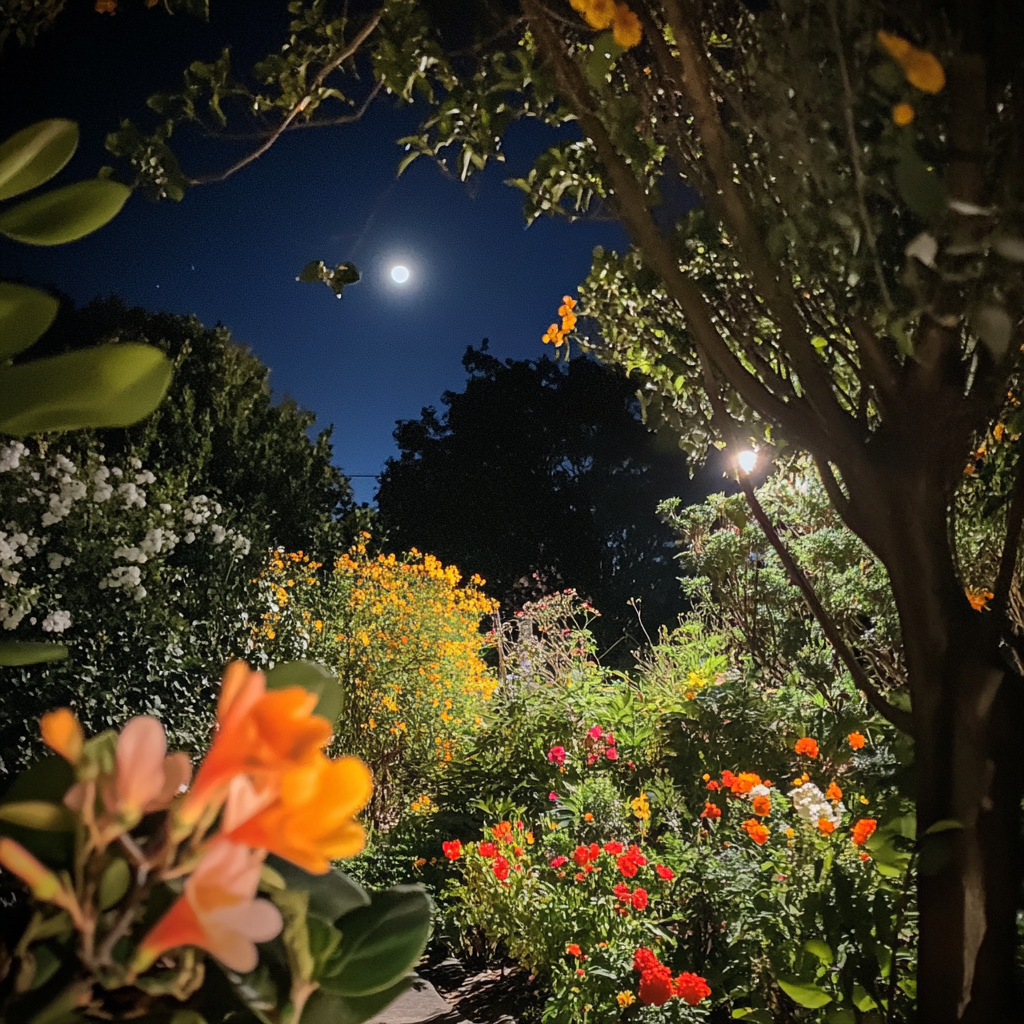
(38, 814)
(921, 189)
(380, 943)
(314, 678)
(25, 314)
(331, 895)
(605, 53)
(820, 949)
(66, 214)
(804, 993)
(841, 1016)
(29, 652)
(862, 999)
(756, 1016)
(945, 825)
(106, 386)
(48, 779)
(35, 154)
(114, 883)
(819, 342)
(331, 1008)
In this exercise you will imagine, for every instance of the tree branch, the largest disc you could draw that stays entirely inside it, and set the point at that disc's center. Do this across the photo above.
(796, 418)
(696, 81)
(361, 36)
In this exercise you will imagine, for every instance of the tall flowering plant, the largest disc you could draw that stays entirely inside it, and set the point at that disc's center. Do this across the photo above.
(143, 888)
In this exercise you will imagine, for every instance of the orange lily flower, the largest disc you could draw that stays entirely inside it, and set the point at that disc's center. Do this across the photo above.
(219, 912)
(258, 733)
(310, 820)
(62, 733)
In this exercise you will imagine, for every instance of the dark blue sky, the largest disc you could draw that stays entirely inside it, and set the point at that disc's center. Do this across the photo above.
(230, 252)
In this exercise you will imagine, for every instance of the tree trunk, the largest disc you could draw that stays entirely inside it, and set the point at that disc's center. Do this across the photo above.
(968, 710)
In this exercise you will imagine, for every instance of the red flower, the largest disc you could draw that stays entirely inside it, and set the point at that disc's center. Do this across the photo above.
(500, 869)
(502, 830)
(622, 891)
(609, 739)
(639, 899)
(559, 861)
(579, 876)
(487, 850)
(612, 754)
(556, 755)
(580, 856)
(713, 786)
(656, 986)
(664, 873)
(691, 988)
(518, 851)
(728, 778)
(862, 830)
(613, 848)
(627, 865)
(807, 746)
(573, 950)
(711, 810)
(452, 850)
(644, 959)
(594, 732)
(594, 850)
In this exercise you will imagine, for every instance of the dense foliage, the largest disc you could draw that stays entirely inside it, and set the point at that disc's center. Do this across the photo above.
(559, 458)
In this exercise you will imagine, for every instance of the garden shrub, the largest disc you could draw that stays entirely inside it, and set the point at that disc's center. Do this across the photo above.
(403, 636)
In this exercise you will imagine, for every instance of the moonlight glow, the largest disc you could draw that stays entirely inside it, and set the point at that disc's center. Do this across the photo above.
(399, 274)
(747, 460)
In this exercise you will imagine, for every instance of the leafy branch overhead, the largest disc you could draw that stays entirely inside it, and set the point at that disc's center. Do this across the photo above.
(316, 271)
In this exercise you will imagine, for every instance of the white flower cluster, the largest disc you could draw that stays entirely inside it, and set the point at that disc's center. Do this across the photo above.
(811, 804)
(125, 577)
(200, 511)
(15, 546)
(57, 622)
(11, 455)
(156, 541)
(70, 489)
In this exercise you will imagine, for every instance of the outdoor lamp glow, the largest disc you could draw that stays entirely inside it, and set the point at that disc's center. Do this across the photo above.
(747, 460)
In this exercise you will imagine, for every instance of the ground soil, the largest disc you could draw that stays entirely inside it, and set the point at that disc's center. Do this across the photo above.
(502, 994)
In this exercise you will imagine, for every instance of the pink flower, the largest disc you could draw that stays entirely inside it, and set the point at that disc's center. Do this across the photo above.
(556, 755)
(558, 862)
(219, 912)
(552, 795)
(612, 754)
(609, 739)
(595, 732)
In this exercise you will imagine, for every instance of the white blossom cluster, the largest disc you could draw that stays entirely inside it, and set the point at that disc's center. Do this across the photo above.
(811, 804)
(51, 487)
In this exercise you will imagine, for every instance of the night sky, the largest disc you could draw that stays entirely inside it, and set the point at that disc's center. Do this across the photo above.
(230, 252)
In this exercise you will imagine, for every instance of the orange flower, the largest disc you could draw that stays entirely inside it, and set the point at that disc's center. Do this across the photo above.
(626, 27)
(856, 740)
(219, 912)
(567, 306)
(902, 114)
(41, 881)
(862, 830)
(756, 831)
(311, 819)
(979, 598)
(62, 733)
(711, 811)
(825, 826)
(258, 733)
(922, 68)
(743, 783)
(599, 13)
(807, 746)
(553, 336)
(762, 805)
(833, 792)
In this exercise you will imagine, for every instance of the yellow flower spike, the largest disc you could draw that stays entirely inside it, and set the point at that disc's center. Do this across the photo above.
(923, 69)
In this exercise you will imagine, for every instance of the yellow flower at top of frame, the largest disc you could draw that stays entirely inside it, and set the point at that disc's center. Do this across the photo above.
(598, 13)
(922, 68)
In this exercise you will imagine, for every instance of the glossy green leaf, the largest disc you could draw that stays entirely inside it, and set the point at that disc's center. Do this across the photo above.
(820, 949)
(30, 652)
(753, 1016)
(331, 895)
(599, 62)
(106, 386)
(65, 214)
(945, 825)
(920, 188)
(380, 943)
(35, 154)
(862, 999)
(804, 993)
(841, 1016)
(38, 814)
(316, 679)
(48, 780)
(25, 314)
(331, 1008)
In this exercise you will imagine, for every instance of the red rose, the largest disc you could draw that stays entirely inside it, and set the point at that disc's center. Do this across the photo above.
(500, 869)
(487, 850)
(639, 899)
(452, 850)
(664, 873)
(559, 861)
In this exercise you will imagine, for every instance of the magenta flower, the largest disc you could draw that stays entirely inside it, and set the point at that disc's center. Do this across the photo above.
(556, 755)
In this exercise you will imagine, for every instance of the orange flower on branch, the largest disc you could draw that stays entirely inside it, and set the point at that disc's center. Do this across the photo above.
(825, 826)
(902, 114)
(756, 831)
(219, 912)
(311, 819)
(259, 734)
(922, 68)
(762, 805)
(862, 830)
(61, 732)
(979, 598)
(807, 746)
(856, 740)
(833, 792)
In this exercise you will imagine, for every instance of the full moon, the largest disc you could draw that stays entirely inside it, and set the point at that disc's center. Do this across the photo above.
(399, 274)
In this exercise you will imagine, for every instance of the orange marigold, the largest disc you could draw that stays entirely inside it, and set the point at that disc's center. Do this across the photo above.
(833, 792)
(862, 830)
(825, 826)
(807, 746)
(756, 831)
(762, 805)
(744, 782)
(856, 740)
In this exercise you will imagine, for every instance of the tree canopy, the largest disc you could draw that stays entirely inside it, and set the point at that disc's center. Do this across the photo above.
(539, 477)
